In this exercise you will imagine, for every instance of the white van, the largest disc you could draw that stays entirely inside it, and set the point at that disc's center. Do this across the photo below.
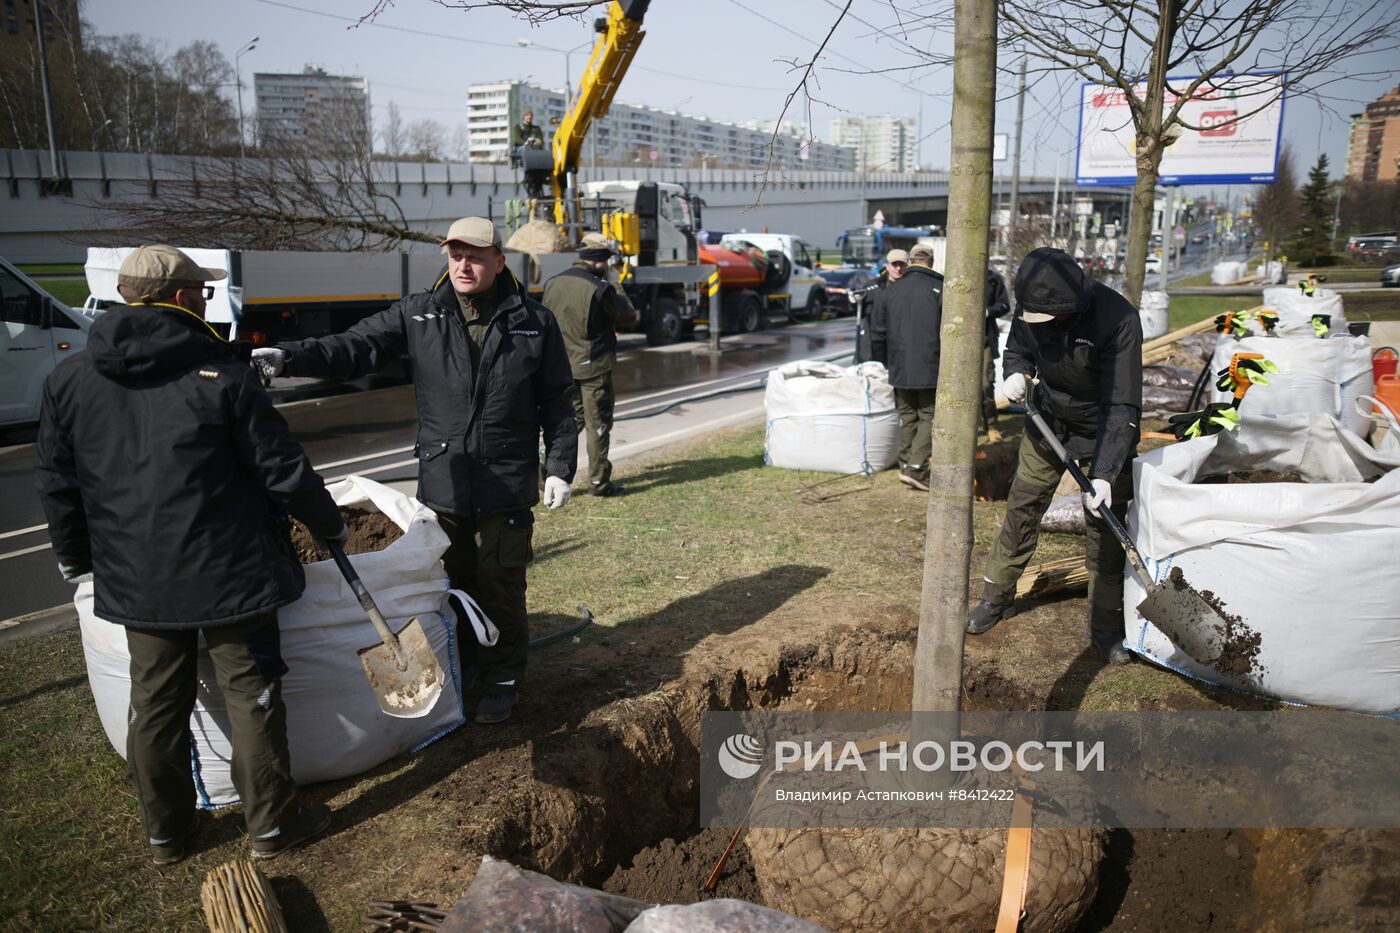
(37, 332)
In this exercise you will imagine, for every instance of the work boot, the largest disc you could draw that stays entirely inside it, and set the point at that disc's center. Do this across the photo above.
(1115, 654)
(493, 708)
(985, 615)
(311, 820)
(913, 480)
(175, 852)
(605, 490)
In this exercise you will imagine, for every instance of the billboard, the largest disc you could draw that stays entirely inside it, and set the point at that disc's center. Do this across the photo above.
(1240, 119)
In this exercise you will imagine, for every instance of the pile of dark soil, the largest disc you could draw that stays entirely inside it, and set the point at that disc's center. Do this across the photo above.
(369, 531)
(1251, 477)
(1240, 654)
(673, 872)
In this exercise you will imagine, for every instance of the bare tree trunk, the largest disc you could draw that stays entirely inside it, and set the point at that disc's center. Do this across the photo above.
(938, 655)
(1149, 157)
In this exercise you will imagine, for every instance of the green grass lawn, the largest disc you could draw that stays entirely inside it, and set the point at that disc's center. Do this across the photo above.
(72, 292)
(33, 269)
(1188, 309)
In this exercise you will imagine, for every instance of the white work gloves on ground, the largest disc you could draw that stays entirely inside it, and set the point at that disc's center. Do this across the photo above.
(556, 493)
(1102, 495)
(269, 361)
(1013, 388)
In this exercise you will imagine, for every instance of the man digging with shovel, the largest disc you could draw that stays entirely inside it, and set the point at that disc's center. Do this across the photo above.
(166, 476)
(1082, 341)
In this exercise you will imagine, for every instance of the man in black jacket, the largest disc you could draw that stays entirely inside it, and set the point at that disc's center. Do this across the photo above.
(491, 373)
(904, 336)
(589, 309)
(896, 261)
(166, 476)
(998, 304)
(1083, 342)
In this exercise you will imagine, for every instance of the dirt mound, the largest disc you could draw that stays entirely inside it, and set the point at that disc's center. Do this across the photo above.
(675, 872)
(369, 531)
(1253, 476)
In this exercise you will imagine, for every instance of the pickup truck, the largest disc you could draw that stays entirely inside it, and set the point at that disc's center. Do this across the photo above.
(37, 332)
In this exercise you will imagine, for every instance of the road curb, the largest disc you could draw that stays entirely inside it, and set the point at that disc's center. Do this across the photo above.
(37, 623)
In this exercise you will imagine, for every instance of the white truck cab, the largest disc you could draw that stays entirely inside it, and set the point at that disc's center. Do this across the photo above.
(37, 332)
(806, 288)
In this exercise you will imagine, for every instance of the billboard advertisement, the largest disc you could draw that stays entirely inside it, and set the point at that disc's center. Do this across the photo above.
(1240, 119)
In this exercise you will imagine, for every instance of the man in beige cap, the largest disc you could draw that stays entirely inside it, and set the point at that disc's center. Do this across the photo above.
(904, 336)
(167, 477)
(491, 373)
(896, 261)
(589, 309)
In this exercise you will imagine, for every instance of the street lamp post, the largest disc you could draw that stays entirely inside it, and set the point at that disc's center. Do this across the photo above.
(238, 81)
(106, 124)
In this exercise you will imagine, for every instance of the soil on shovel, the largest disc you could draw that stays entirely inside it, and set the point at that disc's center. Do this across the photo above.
(1240, 654)
(1251, 477)
(369, 531)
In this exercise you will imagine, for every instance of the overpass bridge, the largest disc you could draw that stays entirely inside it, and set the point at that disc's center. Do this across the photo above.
(55, 223)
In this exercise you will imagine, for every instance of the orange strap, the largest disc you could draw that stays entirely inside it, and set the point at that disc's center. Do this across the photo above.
(1015, 882)
(1242, 383)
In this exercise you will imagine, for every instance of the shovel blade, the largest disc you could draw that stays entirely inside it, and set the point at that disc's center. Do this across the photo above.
(1193, 625)
(410, 692)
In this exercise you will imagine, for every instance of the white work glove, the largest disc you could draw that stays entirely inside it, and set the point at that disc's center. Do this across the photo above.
(71, 575)
(269, 361)
(1013, 388)
(1102, 495)
(556, 493)
(341, 537)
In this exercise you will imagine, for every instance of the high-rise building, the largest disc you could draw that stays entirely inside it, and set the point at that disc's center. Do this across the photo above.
(883, 143)
(290, 105)
(63, 26)
(634, 135)
(1374, 153)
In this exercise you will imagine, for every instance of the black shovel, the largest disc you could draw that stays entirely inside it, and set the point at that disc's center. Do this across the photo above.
(403, 669)
(1180, 612)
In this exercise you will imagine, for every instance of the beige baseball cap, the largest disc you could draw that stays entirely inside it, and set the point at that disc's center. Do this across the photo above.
(594, 241)
(921, 251)
(473, 231)
(158, 271)
(897, 255)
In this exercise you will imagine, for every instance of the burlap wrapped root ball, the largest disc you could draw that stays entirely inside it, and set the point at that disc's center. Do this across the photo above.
(922, 879)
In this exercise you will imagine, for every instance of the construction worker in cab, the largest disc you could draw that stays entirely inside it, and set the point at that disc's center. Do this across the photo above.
(590, 309)
(490, 373)
(167, 477)
(1082, 343)
(904, 336)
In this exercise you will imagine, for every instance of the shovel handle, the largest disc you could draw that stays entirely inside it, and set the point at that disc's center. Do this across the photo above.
(347, 570)
(1107, 515)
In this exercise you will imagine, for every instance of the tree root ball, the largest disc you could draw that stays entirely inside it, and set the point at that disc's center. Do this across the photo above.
(923, 879)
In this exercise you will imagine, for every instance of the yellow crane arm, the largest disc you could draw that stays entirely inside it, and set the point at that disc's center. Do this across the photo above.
(620, 35)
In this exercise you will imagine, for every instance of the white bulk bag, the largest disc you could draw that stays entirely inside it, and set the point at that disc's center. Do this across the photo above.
(1272, 272)
(1320, 377)
(334, 725)
(1154, 314)
(1223, 273)
(830, 418)
(1308, 566)
(1296, 310)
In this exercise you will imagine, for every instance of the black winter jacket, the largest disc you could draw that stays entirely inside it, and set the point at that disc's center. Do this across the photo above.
(588, 308)
(478, 431)
(1089, 366)
(998, 303)
(166, 472)
(904, 328)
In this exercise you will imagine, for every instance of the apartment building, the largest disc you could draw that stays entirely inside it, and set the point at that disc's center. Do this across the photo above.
(1374, 151)
(882, 142)
(288, 105)
(636, 135)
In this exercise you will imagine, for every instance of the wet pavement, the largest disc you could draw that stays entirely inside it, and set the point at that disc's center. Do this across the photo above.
(368, 427)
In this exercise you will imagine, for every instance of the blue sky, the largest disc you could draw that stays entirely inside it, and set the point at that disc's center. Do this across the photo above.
(725, 62)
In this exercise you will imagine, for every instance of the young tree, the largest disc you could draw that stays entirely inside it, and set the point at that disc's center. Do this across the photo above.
(1135, 48)
(426, 140)
(392, 135)
(1312, 244)
(1276, 205)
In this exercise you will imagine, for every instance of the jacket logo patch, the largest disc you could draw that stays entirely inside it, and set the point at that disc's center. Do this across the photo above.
(209, 373)
(426, 317)
(526, 333)
(1081, 342)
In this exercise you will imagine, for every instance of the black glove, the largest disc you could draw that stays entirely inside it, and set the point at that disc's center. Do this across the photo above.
(1214, 418)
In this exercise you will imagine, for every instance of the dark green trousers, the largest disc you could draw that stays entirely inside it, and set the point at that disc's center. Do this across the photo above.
(915, 408)
(487, 559)
(1038, 472)
(248, 666)
(593, 410)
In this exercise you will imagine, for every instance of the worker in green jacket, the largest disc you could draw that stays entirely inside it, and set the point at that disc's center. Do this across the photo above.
(589, 309)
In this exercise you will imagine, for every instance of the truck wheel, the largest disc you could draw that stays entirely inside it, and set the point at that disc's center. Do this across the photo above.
(814, 309)
(751, 315)
(664, 323)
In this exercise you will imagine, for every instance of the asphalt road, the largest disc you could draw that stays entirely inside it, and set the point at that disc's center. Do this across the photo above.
(367, 428)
